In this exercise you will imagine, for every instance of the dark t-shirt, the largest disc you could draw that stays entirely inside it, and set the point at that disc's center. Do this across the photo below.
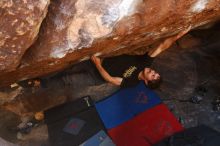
(127, 67)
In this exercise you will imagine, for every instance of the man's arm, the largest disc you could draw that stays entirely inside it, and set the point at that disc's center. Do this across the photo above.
(114, 80)
(167, 43)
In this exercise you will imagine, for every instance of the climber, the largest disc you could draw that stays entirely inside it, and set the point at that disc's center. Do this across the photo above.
(127, 70)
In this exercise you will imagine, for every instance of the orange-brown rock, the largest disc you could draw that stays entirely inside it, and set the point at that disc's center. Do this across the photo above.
(75, 29)
(20, 22)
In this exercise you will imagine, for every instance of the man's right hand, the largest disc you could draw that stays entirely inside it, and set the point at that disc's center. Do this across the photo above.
(182, 33)
(98, 63)
(96, 60)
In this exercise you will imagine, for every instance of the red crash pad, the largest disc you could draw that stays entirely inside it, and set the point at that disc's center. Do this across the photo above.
(147, 128)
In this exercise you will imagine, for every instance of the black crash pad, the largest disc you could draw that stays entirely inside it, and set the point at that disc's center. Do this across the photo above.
(57, 125)
(196, 136)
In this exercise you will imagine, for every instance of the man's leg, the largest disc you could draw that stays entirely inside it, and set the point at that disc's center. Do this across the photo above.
(82, 75)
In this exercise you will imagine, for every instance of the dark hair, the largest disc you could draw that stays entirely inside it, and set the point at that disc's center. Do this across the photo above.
(155, 83)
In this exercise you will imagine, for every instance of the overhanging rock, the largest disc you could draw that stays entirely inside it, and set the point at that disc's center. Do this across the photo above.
(20, 24)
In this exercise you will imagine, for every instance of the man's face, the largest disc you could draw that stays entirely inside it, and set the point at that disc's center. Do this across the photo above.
(150, 74)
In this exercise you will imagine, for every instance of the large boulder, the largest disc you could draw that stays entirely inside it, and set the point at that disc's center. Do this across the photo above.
(20, 24)
(75, 29)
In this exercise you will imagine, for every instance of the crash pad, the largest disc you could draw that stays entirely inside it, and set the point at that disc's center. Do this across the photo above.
(67, 109)
(99, 139)
(126, 104)
(147, 128)
(74, 126)
(201, 135)
(73, 123)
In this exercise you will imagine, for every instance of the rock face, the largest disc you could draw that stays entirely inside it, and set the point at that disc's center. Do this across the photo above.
(20, 23)
(75, 29)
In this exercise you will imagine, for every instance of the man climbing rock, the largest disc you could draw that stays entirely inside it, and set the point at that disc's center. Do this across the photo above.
(127, 70)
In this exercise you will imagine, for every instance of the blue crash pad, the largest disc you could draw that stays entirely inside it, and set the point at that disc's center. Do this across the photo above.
(100, 139)
(125, 104)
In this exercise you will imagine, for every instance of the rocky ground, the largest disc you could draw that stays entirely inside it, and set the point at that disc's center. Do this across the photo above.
(194, 61)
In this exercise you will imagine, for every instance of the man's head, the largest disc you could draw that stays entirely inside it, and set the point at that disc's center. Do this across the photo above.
(151, 77)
